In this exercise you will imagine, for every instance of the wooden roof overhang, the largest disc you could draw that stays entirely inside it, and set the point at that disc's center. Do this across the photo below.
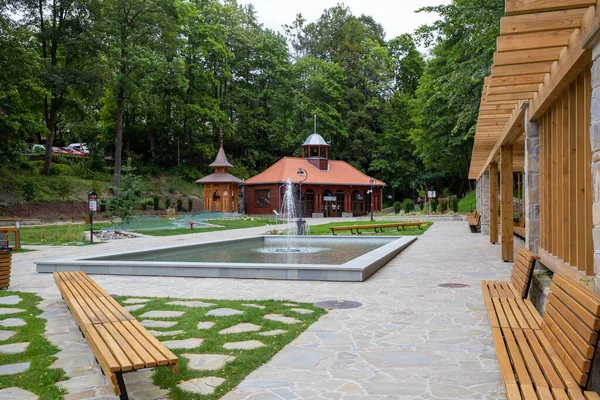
(542, 46)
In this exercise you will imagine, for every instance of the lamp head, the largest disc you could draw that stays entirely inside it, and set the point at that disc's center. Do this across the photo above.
(300, 172)
(371, 181)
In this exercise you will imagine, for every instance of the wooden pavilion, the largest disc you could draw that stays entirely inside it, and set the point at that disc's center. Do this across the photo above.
(221, 188)
(540, 117)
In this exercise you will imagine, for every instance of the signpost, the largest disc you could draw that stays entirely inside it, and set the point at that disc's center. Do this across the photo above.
(92, 207)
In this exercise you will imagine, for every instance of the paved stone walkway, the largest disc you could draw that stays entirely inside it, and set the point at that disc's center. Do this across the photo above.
(411, 339)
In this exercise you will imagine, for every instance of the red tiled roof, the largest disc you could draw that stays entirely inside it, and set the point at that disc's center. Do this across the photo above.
(340, 172)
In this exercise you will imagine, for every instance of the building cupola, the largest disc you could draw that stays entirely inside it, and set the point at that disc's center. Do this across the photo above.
(316, 150)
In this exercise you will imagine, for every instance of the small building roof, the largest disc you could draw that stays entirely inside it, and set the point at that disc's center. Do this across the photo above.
(315, 140)
(221, 159)
(339, 172)
(219, 177)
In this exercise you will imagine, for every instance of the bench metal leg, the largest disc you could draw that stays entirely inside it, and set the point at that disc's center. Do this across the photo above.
(122, 387)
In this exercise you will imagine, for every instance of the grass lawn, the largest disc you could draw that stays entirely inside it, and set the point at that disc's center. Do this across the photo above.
(245, 361)
(409, 230)
(467, 203)
(73, 234)
(39, 378)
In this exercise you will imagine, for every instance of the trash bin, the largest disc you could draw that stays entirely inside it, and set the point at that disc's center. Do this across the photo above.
(5, 264)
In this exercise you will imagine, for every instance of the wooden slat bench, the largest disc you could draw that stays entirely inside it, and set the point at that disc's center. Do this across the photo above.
(375, 227)
(5, 264)
(552, 362)
(520, 278)
(474, 218)
(519, 228)
(119, 342)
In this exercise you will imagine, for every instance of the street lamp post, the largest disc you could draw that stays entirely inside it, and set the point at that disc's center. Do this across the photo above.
(301, 172)
(371, 181)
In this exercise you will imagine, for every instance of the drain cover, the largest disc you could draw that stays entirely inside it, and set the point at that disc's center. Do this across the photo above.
(339, 304)
(453, 285)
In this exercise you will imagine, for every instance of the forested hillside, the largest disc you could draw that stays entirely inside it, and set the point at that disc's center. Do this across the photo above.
(167, 78)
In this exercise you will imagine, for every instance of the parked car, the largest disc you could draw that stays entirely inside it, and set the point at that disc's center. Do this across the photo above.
(38, 148)
(72, 152)
(81, 147)
(58, 150)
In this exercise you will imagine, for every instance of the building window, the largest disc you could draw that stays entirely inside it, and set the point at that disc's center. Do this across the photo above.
(263, 198)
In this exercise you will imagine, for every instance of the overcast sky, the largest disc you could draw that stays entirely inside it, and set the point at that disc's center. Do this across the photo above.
(396, 16)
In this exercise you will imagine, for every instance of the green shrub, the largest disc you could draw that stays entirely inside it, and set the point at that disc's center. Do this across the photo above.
(156, 202)
(97, 187)
(190, 204)
(397, 207)
(179, 204)
(29, 189)
(171, 190)
(103, 202)
(64, 188)
(145, 202)
(434, 204)
(124, 203)
(453, 204)
(407, 205)
(167, 202)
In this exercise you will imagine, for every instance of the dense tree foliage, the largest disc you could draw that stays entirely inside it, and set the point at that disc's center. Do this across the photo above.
(163, 81)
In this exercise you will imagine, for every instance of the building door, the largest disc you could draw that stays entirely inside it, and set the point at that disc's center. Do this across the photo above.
(308, 203)
(328, 203)
(340, 201)
(216, 206)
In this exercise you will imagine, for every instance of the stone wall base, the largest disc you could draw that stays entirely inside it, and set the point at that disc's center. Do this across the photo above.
(540, 287)
(318, 215)
(347, 215)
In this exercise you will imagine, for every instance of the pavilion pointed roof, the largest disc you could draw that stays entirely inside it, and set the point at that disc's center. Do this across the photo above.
(221, 159)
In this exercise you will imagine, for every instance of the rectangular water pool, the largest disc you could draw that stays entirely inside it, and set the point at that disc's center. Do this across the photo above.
(262, 257)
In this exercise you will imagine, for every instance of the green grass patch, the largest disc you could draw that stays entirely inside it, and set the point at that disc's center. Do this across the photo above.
(246, 361)
(39, 378)
(224, 224)
(52, 235)
(408, 230)
(467, 203)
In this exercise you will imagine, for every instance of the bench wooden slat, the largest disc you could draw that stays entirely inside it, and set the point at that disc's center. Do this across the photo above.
(543, 361)
(568, 379)
(581, 343)
(585, 298)
(591, 396)
(118, 341)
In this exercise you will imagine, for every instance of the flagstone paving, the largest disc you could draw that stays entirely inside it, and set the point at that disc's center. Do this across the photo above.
(165, 333)
(12, 322)
(15, 393)
(6, 311)
(135, 301)
(274, 332)
(149, 323)
(201, 385)
(190, 303)
(410, 339)
(281, 318)
(183, 344)
(255, 306)
(205, 325)
(10, 300)
(9, 369)
(162, 314)
(14, 348)
(243, 345)
(207, 362)
(134, 307)
(223, 312)
(240, 328)
(5, 335)
(301, 310)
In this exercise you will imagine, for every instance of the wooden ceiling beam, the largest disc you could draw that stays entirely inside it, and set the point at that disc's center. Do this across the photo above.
(521, 69)
(517, 80)
(492, 107)
(512, 96)
(503, 112)
(514, 89)
(527, 56)
(541, 22)
(527, 41)
(572, 61)
(512, 131)
(513, 7)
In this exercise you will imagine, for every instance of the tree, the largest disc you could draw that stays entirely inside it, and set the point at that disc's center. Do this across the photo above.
(62, 30)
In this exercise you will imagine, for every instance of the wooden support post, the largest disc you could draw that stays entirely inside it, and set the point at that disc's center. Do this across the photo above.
(506, 201)
(493, 203)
